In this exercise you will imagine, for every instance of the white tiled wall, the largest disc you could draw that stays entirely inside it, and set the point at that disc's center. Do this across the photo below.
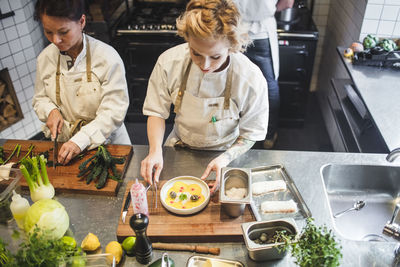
(21, 40)
(382, 18)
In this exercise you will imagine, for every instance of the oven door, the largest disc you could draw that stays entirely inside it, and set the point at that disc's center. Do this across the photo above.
(140, 54)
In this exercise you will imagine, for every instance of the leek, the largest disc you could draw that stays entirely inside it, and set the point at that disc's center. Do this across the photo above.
(35, 173)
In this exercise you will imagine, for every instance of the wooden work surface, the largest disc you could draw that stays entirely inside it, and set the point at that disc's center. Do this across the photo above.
(209, 225)
(64, 178)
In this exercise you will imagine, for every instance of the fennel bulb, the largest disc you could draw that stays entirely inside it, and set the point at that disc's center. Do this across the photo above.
(48, 215)
(38, 180)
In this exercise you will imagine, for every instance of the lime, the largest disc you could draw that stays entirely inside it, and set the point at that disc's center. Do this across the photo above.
(69, 241)
(129, 244)
(78, 262)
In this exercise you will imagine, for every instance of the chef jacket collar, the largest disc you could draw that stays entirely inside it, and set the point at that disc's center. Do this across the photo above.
(81, 55)
(213, 74)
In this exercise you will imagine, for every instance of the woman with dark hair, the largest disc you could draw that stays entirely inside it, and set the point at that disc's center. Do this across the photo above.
(81, 91)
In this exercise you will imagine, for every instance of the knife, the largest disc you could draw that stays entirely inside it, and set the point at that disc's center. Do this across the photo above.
(55, 151)
(126, 206)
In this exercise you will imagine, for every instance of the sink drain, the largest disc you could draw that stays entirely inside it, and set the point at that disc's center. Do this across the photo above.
(374, 237)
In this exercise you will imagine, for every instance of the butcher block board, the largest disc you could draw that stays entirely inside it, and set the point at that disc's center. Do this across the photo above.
(64, 178)
(209, 225)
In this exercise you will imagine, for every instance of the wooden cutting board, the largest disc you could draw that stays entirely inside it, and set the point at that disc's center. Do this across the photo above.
(64, 178)
(209, 225)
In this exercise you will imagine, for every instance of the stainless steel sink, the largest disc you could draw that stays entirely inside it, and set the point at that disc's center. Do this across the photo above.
(378, 186)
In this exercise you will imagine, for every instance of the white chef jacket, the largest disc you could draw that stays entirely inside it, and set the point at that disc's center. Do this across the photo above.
(259, 18)
(249, 89)
(104, 107)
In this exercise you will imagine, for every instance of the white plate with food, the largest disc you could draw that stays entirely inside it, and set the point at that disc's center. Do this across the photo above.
(185, 195)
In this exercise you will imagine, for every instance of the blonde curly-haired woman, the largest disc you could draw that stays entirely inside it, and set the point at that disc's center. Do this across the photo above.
(220, 97)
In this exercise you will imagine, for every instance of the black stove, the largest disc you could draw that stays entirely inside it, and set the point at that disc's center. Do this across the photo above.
(150, 18)
(150, 29)
(300, 27)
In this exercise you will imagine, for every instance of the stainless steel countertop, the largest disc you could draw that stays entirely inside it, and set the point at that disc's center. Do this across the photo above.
(100, 214)
(379, 88)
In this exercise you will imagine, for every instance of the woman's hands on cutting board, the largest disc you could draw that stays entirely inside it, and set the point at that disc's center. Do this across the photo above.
(67, 152)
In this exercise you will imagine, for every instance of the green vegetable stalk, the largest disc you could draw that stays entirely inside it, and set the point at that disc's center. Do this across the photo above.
(16, 150)
(35, 173)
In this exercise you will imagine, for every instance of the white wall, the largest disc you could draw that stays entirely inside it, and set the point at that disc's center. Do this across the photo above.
(382, 18)
(21, 40)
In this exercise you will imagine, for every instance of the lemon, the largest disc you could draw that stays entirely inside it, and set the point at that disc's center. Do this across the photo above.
(69, 241)
(90, 242)
(115, 249)
(129, 245)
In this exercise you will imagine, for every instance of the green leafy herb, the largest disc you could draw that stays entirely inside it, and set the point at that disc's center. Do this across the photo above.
(315, 247)
(182, 197)
(38, 251)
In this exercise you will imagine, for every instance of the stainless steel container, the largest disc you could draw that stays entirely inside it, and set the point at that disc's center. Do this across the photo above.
(232, 178)
(196, 261)
(287, 15)
(263, 252)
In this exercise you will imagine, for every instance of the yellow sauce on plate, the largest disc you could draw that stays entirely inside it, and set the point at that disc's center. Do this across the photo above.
(180, 202)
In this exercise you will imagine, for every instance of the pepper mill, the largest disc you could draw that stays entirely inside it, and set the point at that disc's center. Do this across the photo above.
(143, 247)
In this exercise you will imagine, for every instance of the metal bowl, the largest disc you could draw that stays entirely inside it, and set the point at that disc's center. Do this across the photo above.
(235, 178)
(264, 252)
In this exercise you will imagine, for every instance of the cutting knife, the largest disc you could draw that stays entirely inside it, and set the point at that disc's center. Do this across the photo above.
(55, 151)
(126, 206)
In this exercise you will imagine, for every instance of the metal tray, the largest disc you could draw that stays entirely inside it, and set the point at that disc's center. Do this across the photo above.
(200, 261)
(277, 172)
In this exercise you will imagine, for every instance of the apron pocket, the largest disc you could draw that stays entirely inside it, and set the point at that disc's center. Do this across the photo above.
(88, 98)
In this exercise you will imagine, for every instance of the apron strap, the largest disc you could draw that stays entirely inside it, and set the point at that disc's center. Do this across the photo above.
(77, 125)
(88, 62)
(182, 88)
(228, 85)
(58, 73)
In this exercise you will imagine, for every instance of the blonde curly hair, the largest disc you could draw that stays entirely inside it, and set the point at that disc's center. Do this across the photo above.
(216, 19)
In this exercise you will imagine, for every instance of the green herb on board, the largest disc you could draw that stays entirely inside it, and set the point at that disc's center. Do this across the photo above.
(100, 167)
(316, 246)
(182, 197)
(16, 149)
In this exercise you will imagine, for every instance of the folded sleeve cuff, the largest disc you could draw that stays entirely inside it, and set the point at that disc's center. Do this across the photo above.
(81, 139)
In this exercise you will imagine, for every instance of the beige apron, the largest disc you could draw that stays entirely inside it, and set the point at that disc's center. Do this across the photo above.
(78, 106)
(204, 123)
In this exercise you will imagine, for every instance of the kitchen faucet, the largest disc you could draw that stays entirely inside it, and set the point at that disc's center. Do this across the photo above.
(393, 154)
